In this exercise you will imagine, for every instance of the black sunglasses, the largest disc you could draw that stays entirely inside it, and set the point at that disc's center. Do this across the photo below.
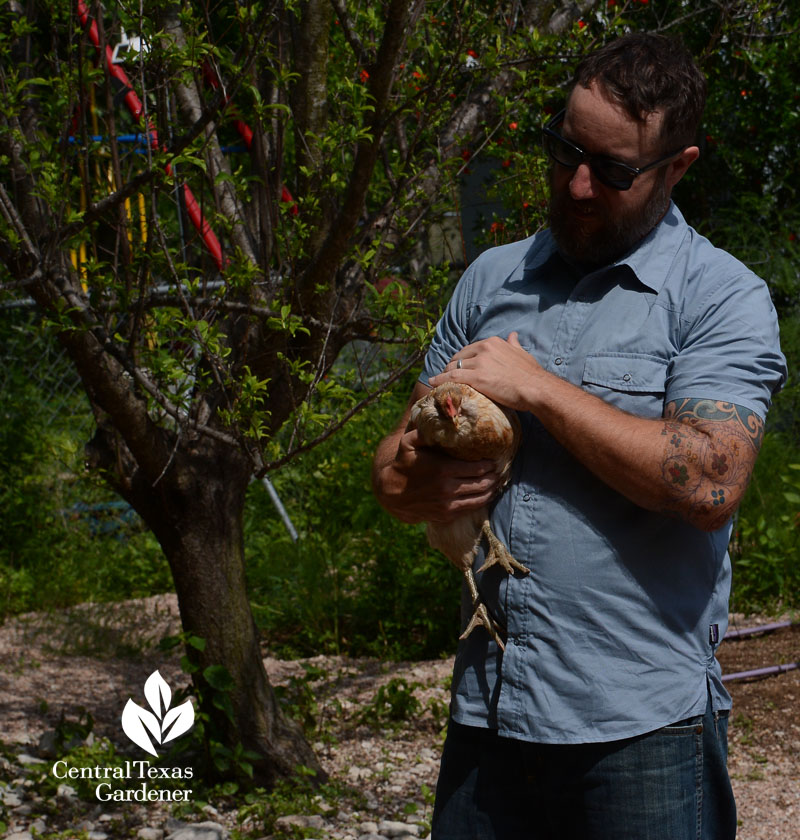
(612, 173)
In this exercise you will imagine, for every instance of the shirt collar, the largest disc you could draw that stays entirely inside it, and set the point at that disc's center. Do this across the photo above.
(652, 258)
(649, 261)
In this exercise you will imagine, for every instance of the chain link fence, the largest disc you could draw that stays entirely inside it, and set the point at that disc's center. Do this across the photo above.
(32, 361)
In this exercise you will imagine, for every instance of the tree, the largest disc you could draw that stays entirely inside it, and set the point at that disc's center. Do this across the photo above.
(203, 294)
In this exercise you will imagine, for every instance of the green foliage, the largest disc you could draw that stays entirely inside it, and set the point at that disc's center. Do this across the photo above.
(766, 543)
(64, 538)
(357, 581)
(297, 795)
(91, 753)
(208, 745)
(394, 703)
(298, 699)
(765, 547)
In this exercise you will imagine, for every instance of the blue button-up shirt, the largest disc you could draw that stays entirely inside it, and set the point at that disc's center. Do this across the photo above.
(611, 634)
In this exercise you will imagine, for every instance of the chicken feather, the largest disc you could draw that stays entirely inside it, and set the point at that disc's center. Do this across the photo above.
(467, 425)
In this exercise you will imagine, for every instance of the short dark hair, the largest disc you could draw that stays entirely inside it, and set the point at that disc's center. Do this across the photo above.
(645, 72)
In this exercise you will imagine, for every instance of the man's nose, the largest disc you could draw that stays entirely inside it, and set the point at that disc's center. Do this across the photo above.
(583, 183)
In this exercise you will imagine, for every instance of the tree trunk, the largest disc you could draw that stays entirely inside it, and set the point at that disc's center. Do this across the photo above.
(196, 511)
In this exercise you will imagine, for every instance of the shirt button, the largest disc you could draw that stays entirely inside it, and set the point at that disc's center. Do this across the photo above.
(626, 377)
(526, 497)
(559, 361)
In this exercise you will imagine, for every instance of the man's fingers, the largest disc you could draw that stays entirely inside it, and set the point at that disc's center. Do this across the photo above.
(470, 469)
(464, 489)
(457, 507)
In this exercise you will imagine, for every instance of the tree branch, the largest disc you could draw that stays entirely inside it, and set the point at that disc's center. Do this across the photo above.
(330, 254)
(333, 428)
(350, 35)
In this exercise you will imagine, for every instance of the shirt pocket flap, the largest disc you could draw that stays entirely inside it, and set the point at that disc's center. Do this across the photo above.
(630, 372)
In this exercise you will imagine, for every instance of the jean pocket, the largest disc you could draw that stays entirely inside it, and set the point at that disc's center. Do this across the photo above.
(688, 726)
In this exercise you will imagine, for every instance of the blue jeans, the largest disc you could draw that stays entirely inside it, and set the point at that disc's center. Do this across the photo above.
(671, 784)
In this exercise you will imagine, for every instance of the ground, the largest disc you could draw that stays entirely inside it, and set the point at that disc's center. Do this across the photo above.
(378, 724)
(764, 738)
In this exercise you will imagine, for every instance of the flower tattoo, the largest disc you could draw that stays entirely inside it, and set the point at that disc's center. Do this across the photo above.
(719, 463)
(679, 473)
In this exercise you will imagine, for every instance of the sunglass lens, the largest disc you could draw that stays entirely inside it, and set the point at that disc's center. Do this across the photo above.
(562, 152)
(608, 172)
(612, 175)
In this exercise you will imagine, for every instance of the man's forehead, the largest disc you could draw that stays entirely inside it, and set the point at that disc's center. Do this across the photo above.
(594, 115)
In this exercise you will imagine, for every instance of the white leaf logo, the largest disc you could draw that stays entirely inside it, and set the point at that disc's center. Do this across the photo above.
(162, 724)
(156, 690)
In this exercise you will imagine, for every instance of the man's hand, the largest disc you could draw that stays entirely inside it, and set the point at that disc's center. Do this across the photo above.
(423, 485)
(501, 370)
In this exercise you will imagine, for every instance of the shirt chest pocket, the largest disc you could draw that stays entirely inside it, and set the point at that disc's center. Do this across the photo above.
(633, 382)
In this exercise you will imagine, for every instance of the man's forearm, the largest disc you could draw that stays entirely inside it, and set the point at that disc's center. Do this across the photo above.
(695, 462)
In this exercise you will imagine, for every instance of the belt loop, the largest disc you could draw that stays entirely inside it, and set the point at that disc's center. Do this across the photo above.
(713, 634)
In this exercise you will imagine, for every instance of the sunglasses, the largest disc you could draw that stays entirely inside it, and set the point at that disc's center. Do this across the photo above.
(612, 173)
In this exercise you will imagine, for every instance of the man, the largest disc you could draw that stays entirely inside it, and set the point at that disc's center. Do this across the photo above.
(642, 361)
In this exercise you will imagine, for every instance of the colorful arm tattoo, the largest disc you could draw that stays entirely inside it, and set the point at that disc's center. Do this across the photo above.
(709, 454)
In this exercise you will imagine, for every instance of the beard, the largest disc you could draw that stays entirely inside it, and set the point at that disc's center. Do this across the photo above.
(591, 245)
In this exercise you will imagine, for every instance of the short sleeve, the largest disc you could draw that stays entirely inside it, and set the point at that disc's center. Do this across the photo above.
(452, 331)
(731, 348)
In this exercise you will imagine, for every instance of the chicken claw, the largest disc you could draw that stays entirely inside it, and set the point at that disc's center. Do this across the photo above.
(498, 553)
(482, 618)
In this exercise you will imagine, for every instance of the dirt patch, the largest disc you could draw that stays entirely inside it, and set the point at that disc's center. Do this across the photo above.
(93, 658)
(764, 735)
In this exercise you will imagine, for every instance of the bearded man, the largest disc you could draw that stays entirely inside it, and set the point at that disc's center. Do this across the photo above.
(642, 361)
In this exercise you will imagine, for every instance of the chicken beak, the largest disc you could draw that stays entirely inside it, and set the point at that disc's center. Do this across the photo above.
(452, 411)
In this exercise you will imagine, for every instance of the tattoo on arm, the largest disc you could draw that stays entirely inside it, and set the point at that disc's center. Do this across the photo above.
(709, 454)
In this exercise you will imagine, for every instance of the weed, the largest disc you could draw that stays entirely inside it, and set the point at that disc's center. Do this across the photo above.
(744, 726)
(440, 712)
(298, 699)
(298, 795)
(211, 686)
(394, 703)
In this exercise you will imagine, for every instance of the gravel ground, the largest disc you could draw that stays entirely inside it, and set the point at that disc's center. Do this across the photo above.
(96, 658)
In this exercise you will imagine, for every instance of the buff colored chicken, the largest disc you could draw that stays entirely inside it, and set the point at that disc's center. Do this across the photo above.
(467, 425)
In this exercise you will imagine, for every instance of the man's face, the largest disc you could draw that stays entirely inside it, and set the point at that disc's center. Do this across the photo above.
(594, 224)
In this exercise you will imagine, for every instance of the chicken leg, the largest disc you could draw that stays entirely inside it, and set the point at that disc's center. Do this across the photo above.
(480, 615)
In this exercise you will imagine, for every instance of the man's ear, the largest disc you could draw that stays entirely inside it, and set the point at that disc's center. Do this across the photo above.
(678, 167)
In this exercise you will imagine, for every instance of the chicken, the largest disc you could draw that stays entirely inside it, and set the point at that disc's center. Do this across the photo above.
(467, 425)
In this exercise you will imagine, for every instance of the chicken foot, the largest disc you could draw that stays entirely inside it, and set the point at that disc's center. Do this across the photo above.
(498, 553)
(480, 616)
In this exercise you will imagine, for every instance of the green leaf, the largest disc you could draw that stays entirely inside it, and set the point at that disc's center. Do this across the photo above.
(196, 642)
(218, 677)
